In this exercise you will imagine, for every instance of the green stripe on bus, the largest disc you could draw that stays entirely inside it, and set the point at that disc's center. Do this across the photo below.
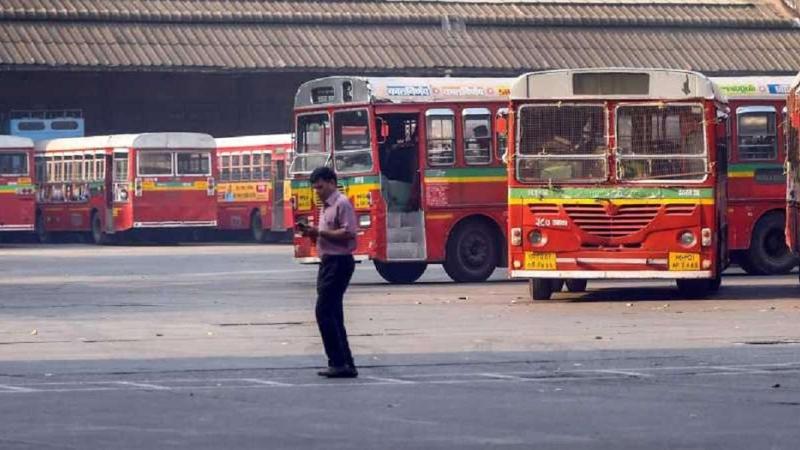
(610, 193)
(343, 180)
(750, 167)
(466, 172)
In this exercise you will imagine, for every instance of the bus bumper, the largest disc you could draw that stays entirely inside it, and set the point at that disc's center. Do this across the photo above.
(11, 227)
(612, 274)
(315, 259)
(176, 224)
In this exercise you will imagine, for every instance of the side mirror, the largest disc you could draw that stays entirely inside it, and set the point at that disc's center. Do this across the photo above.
(383, 130)
(501, 124)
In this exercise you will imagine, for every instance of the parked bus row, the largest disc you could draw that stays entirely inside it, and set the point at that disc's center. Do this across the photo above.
(146, 186)
(564, 175)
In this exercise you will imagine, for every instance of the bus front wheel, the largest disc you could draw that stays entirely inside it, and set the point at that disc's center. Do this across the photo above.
(400, 272)
(98, 236)
(576, 285)
(768, 253)
(542, 288)
(257, 227)
(471, 253)
(699, 288)
(41, 232)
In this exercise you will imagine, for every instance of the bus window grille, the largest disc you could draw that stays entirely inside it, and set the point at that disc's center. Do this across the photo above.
(661, 142)
(562, 142)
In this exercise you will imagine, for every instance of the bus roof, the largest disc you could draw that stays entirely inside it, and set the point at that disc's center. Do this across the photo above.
(254, 141)
(613, 83)
(341, 90)
(757, 87)
(7, 141)
(143, 141)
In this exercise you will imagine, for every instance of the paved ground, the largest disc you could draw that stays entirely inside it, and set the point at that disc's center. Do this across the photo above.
(214, 346)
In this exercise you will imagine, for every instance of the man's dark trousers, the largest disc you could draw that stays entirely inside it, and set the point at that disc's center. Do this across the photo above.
(333, 277)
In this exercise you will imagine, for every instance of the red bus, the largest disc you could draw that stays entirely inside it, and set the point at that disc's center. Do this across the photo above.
(617, 173)
(252, 193)
(17, 192)
(756, 179)
(793, 169)
(422, 164)
(106, 185)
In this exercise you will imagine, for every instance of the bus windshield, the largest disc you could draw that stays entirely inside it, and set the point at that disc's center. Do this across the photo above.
(313, 142)
(661, 142)
(13, 163)
(352, 151)
(562, 142)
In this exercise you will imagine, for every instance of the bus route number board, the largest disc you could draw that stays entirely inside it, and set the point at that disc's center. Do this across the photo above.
(540, 261)
(684, 261)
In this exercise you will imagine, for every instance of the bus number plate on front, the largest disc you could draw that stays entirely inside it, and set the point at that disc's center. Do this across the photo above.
(684, 261)
(540, 261)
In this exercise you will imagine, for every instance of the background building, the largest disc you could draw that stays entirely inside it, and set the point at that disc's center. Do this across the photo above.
(232, 67)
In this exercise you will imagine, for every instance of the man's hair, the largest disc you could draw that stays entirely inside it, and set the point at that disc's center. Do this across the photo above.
(324, 174)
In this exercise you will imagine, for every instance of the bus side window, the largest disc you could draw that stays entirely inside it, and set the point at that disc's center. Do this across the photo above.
(441, 137)
(225, 168)
(757, 135)
(477, 131)
(258, 170)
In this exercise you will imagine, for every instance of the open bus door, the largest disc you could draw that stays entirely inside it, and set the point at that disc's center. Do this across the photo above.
(279, 176)
(399, 150)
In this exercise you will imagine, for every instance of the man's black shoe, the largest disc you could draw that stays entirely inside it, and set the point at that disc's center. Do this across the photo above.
(339, 372)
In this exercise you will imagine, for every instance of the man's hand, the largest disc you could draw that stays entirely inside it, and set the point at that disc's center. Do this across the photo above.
(311, 232)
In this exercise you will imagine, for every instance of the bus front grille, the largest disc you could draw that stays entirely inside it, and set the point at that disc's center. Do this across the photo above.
(611, 221)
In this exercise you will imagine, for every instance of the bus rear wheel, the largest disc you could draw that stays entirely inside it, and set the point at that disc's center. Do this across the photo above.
(400, 272)
(768, 253)
(99, 237)
(257, 227)
(471, 253)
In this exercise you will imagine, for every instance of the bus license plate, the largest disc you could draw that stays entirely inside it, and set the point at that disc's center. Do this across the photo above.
(684, 261)
(540, 261)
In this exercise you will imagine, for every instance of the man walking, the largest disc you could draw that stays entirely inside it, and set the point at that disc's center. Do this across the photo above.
(336, 242)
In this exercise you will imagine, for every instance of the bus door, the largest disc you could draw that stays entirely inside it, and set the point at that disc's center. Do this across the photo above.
(793, 191)
(278, 178)
(401, 186)
(108, 193)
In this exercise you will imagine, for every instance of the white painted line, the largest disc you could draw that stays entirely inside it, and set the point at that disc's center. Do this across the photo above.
(621, 372)
(154, 387)
(739, 369)
(390, 380)
(16, 388)
(500, 376)
(264, 382)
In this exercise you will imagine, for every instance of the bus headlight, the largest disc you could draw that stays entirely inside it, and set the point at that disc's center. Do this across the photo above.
(123, 195)
(364, 221)
(687, 239)
(536, 237)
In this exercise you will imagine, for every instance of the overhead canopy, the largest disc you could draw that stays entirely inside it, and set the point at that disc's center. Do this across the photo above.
(364, 36)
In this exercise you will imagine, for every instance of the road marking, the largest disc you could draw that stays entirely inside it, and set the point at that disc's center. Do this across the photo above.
(621, 372)
(16, 389)
(264, 382)
(501, 376)
(390, 380)
(155, 387)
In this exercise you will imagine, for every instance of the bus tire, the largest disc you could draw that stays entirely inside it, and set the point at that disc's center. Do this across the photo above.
(541, 288)
(99, 237)
(768, 253)
(697, 289)
(400, 272)
(471, 252)
(576, 285)
(257, 227)
(41, 232)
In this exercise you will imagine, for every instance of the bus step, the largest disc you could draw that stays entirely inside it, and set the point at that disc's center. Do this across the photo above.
(404, 234)
(405, 251)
